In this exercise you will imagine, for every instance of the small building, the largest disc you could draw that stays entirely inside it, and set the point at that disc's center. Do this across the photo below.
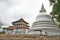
(18, 27)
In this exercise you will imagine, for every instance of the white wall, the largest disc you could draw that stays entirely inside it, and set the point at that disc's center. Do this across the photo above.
(17, 31)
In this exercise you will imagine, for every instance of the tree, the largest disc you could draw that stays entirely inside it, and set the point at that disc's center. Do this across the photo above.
(56, 11)
(1, 24)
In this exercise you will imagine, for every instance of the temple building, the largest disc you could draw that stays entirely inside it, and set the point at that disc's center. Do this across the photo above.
(18, 27)
(44, 24)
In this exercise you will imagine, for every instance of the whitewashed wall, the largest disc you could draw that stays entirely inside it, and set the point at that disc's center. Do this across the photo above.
(17, 31)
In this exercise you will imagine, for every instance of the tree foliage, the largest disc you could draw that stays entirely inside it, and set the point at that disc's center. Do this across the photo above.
(56, 10)
(1, 24)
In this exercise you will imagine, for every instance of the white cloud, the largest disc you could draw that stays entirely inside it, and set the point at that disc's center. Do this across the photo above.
(28, 9)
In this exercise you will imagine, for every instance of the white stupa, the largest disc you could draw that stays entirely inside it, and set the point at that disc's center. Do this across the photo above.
(44, 24)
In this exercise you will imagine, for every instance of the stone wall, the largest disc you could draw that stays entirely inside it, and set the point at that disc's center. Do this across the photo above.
(27, 37)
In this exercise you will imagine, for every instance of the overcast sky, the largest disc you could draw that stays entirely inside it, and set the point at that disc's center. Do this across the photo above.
(11, 10)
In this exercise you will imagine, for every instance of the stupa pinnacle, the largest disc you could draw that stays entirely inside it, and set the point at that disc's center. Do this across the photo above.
(42, 9)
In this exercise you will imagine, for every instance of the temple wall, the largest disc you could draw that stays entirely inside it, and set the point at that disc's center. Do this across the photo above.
(28, 37)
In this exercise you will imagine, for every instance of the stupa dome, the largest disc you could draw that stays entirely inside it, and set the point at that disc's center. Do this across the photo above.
(44, 17)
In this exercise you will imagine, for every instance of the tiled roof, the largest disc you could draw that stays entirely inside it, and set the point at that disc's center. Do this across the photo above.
(16, 27)
(20, 20)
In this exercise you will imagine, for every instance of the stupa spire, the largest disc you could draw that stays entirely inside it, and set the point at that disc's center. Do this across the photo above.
(42, 9)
